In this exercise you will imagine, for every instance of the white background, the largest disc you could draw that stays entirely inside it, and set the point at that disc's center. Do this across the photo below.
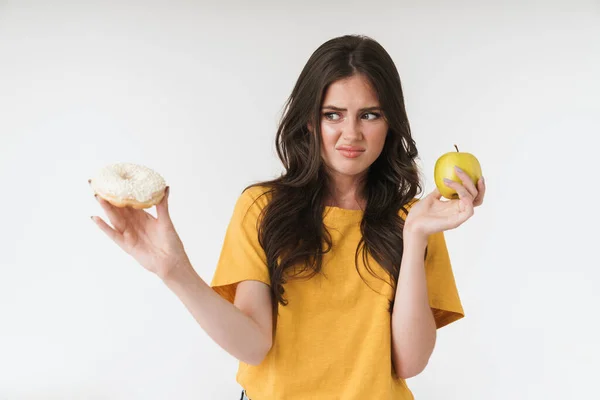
(195, 92)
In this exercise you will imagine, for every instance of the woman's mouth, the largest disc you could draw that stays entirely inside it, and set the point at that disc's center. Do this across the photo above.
(351, 151)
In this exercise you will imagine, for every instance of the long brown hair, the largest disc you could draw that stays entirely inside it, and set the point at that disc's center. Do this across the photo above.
(291, 229)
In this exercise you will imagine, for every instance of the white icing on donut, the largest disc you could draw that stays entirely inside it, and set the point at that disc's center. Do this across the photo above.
(128, 181)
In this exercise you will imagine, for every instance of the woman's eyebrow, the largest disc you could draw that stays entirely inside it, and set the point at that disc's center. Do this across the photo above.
(330, 107)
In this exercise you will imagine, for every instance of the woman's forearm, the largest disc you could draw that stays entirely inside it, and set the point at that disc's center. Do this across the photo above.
(413, 325)
(228, 326)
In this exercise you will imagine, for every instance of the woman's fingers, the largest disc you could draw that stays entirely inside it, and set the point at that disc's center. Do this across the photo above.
(110, 232)
(115, 215)
(465, 203)
(462, 192)
(481, 192)
(435, 193)
(467, 182)
(477, 192)
(162, 208)
(138, 217)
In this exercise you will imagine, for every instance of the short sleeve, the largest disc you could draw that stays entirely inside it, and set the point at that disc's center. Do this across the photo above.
(242, 257)
(441, 286)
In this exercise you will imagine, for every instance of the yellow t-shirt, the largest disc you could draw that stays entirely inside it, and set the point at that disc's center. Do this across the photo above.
(333, 339)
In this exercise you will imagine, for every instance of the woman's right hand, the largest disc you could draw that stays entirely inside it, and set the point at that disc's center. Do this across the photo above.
(153, 242)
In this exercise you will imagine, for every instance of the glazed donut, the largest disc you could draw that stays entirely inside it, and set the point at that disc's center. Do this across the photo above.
(129, 185)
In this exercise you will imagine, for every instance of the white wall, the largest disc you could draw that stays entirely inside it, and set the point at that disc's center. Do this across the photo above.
(195, 91)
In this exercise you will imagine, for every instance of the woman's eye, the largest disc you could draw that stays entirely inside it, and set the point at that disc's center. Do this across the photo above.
(374, 114)
(328, 116)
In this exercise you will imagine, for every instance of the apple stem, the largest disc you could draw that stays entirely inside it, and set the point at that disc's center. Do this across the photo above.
(456, 148)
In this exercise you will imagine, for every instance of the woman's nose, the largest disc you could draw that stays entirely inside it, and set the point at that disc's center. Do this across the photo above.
(352, 130)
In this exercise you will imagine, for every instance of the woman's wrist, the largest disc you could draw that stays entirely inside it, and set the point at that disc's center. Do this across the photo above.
(414, 238)
(177, 269)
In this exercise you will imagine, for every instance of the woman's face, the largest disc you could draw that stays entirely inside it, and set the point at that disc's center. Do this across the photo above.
(353, 129)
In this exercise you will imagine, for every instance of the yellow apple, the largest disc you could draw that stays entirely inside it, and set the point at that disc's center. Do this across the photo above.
(444, 168)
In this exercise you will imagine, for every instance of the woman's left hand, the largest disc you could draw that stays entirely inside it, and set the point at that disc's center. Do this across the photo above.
(430, 214)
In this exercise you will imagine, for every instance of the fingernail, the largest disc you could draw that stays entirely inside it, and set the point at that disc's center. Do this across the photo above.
(458, 169)
(482, 179)
(92, 218)
(168, 190)
(446, 180)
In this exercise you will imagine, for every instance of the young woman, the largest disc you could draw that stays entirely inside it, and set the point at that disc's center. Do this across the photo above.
(334, 277)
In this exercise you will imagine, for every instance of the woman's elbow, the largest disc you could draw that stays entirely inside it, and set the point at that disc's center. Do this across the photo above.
(258, 356)
(411, 370)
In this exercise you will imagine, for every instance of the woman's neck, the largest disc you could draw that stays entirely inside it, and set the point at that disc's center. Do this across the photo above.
(346, 192)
